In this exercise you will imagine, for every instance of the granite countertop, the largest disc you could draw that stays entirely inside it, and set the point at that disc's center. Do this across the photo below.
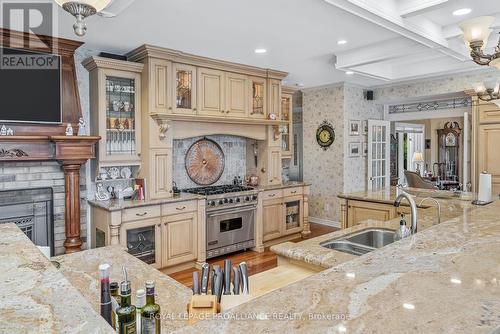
(36, 297)
(444, 279)
(282, 186)
(116, 205)
(81, 269)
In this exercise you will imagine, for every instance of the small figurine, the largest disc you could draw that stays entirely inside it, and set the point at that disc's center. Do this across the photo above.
(3, 130)
(82, 127)
(10, 132)
(69, 130)
(101, 194)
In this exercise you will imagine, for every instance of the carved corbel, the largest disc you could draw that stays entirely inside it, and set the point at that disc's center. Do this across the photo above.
(164, 126)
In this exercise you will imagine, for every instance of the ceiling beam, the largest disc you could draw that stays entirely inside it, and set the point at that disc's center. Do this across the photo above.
(408, 8)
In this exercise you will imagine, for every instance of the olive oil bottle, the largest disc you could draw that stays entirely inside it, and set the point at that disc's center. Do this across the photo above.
(150, 317)
(126, 313)
(114, 288)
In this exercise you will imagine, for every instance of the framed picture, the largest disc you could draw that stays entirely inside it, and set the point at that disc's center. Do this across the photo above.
(365, 149)
(364, 127)
(354, 149)
(354, 127)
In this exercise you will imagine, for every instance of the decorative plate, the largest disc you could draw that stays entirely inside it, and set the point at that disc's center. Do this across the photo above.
(114, 173)
(204, 162)
(126, 173)
(325, 135)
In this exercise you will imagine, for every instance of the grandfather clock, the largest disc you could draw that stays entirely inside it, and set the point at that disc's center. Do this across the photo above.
(449, 150)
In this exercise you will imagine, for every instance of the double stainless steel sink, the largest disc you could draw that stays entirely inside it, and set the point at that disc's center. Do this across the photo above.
(362, 242)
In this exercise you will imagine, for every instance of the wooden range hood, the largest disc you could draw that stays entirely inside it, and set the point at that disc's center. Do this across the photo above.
(43, 142)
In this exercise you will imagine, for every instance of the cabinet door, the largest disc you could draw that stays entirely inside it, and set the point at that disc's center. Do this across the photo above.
(274, 98)
(184, 89)
(236, 95)
(179, 238)
(143, 239)
(211, 92)
(160, 183)
(488, 154)
(159, 86)
(358, 211)
(274, 166)
(286, 129)
(272, 219)
(258, 98)
(293, 215)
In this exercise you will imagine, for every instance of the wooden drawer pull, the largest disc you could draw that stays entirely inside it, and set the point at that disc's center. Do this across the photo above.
(180, 208)
(272, 195)
(294, 192)
(141, 214)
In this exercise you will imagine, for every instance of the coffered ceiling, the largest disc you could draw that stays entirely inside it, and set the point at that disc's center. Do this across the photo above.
(386, 40)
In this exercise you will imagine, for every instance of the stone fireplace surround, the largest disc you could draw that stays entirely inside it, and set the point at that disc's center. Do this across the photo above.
(46, 174)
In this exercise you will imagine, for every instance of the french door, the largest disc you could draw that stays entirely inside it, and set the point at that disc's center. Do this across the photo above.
(378, 154)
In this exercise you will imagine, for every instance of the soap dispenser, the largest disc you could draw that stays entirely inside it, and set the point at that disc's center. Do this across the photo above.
(403, 231)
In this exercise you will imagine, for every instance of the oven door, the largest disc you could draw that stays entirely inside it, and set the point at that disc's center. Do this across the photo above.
(230, 226)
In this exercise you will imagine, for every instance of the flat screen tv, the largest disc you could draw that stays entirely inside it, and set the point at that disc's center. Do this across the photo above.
(30, 87)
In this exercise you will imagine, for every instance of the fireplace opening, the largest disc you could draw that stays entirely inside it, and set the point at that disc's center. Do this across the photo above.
(32, 211)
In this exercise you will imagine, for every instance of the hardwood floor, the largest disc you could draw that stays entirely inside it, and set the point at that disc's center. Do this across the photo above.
(257, 262)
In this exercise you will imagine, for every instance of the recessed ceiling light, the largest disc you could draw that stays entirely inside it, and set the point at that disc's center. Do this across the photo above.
(409, 306)
(462, 11)
(349, 72)
(455, 281)
(341, 42)
(260, 50)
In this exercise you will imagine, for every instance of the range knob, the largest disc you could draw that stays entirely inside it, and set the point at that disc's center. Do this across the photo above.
(212, 203)
(221, 202)
(247, 198)
(225, 200)
(231, 200)
(254, 197)
(238, 200)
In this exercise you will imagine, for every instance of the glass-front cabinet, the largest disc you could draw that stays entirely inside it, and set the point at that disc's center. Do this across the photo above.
(258, 108)
(293, 215)
(115, 104)
(184, 89)
(143, 240)
(287, 128)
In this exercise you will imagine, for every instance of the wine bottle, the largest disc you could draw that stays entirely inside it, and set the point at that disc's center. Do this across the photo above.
(114, 288)
(105, 293)
(150, 317)
(126, 312)
(140, 301)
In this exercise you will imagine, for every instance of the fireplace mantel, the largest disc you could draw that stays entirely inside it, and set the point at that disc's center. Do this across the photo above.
(71, 152)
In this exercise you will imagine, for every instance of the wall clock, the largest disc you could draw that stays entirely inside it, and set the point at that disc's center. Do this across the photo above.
(325, 135)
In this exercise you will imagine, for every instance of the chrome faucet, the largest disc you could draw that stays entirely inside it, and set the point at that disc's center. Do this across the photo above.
(438, 206)
(413, 207)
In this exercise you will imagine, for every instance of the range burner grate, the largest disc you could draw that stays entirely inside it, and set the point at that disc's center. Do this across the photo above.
(217, 190)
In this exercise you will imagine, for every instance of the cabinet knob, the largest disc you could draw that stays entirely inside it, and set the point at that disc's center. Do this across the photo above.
(180, 208)
(141, 214)
(294, 192)
(165, 224)
(222, 111)
(227, 111)
(159, 225)
(194, 109)
(169, 108)
(272, 195)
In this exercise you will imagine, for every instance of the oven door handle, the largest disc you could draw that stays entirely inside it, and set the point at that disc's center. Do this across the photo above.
(229, 211)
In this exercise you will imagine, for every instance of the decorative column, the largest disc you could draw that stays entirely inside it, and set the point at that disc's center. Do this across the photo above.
(307, 228)
(71, 170)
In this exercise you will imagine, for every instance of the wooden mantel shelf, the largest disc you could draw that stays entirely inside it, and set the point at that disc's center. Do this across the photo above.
(210, 119)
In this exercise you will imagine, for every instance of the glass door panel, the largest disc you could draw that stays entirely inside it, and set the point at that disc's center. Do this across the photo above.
(258, 93)
(292, 215)
(184, 89)
(141, 243)
(120, 116)
(378, 154)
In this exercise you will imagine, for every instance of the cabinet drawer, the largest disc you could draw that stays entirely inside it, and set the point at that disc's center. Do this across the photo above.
(179, 207)
(141, 213)
(292, 191)
(272, 194)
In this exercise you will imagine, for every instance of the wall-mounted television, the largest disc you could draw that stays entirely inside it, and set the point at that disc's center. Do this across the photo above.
(30, 87)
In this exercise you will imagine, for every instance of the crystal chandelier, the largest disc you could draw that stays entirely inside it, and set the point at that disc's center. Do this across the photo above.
(476, 33)
(81, 9)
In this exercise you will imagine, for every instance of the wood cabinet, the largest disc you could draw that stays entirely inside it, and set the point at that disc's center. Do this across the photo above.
(161, 235)
(286, 129)
(184, 89)
(160, 166)
(179, 238)
(359, 211)
(160, 94)
(274, 166)
(272, 218)
(274, 97)
(258, 98)
(236, 95)
(211, 89)
(115, 110)
(489, 154)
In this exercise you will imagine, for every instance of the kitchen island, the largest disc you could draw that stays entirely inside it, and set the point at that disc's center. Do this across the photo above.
(444, 279)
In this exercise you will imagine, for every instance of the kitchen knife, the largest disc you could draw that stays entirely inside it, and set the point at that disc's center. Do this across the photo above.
(196, 283)
(236, 282)
(205, 275)
(218, 285)
(244, 278)
(215, 269)
(227, 276)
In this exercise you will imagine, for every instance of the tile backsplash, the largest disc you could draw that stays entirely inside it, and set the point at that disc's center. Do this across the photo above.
(234, 149)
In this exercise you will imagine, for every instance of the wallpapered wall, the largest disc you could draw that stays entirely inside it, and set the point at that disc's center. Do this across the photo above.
(332, 171)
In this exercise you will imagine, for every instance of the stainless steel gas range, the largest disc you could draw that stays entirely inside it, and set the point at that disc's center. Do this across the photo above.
(230, 211)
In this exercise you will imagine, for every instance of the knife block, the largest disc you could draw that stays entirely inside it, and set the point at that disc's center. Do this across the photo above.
(202, 307)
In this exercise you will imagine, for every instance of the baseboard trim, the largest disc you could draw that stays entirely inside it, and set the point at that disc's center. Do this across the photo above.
(323, 221)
